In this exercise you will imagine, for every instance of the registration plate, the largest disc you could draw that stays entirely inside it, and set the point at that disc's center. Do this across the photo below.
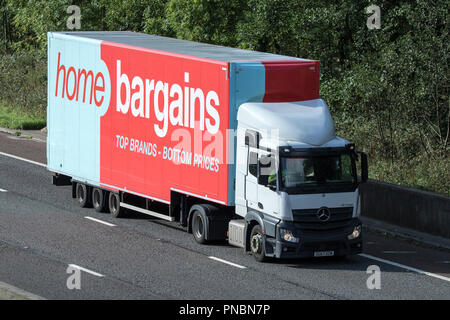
(323, 253)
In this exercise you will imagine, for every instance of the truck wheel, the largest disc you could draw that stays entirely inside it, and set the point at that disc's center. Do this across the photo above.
(199, 227)
(98, 200)
(82, 195)
(114, 205)
(257, 246)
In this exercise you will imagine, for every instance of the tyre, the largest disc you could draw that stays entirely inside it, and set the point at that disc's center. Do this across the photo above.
(199, 227)
(98, 200)
(114, 205)
(257, 245)
(82, 195)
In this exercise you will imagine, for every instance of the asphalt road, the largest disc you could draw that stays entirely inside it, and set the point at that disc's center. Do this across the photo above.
(43, 231)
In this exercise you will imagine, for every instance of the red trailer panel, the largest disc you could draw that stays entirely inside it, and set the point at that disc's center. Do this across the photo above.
(169, 108)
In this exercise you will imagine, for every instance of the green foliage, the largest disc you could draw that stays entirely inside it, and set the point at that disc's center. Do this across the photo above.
(155, 21)
(211, 21)
(15, 118)
(23, 81)
(387, 88)
(269, 26)
(32, 19)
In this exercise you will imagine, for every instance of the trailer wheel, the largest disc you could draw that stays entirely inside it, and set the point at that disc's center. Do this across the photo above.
(257, 245)
(98, 200)
(82, 195)
(114, 205)
(199, 227)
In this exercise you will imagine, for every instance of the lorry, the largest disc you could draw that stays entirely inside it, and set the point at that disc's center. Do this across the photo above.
(230, 144)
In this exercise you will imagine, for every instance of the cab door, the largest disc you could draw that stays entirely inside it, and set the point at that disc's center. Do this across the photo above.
(251, 179)
(267, 183)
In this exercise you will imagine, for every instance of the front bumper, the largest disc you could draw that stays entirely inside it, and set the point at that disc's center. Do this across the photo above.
(308, 245)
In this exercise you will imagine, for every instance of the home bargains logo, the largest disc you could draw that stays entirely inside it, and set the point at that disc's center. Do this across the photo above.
(79, 84)
(164, 102)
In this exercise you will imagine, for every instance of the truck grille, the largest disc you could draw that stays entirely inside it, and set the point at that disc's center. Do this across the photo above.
(307, 221)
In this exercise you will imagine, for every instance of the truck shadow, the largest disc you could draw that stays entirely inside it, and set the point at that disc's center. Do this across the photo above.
(353, 263)
(326, 263)
(350, 263)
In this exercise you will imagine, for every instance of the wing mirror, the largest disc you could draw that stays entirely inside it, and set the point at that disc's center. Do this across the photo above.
(364, 167)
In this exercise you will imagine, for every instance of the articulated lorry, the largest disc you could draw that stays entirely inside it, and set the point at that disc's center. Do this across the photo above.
(230, 144)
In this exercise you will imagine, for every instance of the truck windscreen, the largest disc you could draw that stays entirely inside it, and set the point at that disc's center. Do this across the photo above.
(317, 173)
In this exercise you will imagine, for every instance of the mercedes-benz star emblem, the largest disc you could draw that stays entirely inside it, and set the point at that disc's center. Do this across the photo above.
(323, 214)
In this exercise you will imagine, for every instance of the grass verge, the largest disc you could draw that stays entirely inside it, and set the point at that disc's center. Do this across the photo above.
(14, 119)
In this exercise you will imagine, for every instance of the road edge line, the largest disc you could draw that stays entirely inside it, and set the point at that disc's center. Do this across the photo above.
(86, 270)
(227, 262)
(101, 221)
(399, 265)
(23, 159)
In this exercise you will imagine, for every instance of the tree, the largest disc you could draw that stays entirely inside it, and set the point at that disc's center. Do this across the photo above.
(211, 21)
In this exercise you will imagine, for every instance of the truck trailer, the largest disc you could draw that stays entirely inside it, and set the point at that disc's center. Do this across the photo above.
(230, 144)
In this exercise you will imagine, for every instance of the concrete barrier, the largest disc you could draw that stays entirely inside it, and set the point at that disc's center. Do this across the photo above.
(406, 207)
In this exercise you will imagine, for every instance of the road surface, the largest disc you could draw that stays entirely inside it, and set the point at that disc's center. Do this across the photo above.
(43, 232)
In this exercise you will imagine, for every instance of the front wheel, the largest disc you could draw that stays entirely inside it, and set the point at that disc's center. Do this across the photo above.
(257, 245)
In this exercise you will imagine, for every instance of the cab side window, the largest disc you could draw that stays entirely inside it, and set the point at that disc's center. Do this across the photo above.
(253, 164)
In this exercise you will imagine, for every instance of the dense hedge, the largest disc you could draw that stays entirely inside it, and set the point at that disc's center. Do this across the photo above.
(388, 88)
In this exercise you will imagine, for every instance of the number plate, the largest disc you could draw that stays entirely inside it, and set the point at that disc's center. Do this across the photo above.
(323, 253)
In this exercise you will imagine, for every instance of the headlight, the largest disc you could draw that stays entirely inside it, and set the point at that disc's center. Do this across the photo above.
(356, 233)
(288, 236)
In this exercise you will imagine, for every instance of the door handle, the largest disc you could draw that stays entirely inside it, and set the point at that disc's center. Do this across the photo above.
(260, 205)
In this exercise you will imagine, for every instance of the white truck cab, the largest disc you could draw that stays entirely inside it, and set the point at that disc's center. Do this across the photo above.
(296, 183)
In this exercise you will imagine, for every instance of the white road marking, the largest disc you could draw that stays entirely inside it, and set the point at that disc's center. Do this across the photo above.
(399, 252)
(100, 221)
(3, 190)
(23, 159)
(227, 262)
(434, 275)
(86, 270)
